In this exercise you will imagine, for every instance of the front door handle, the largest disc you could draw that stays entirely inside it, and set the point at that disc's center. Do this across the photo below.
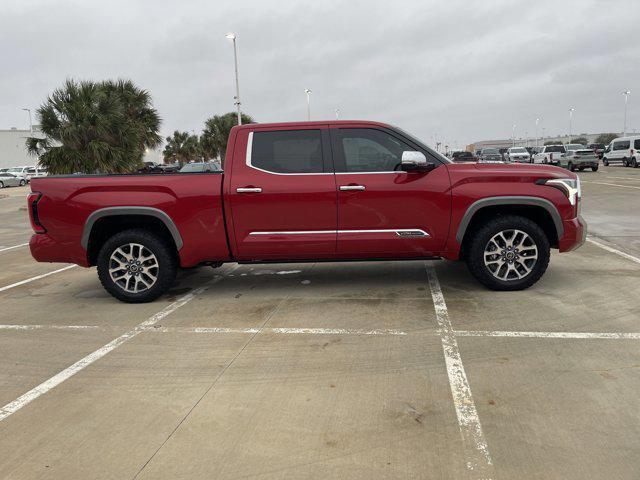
(349, 188)
(249, 190)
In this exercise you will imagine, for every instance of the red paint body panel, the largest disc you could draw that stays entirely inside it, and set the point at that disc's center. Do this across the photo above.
(331, 220)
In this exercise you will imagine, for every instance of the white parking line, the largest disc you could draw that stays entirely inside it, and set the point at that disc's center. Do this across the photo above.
(68, 372)
(570, 335)
(33, 279)
(613, 250)
(49, 327)
(613, 185)
(278, 330)
(478, 458)
(15, 246)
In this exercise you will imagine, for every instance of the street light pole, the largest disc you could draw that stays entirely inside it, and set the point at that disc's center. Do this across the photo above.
(31, 123)
(232, 36)
(537, 121)
(337, 113)
(571, 110)
(308, 92)
(513, 134)
(626, 100)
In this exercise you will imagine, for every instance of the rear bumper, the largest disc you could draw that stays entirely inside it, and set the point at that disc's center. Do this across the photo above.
(575, 234)
(46, 249)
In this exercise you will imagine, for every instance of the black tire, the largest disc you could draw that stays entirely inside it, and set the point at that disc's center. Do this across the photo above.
(634, 162)
(594, 169)
(624, 162)
(571, 166)
(480, 239)
(167, 265)
(605, 162)
(23, 183)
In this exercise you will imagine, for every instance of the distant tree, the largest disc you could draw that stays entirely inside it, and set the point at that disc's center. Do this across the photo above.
(92, 127)
(182, 147)
(606, 138)
(551, 142)
(580, 140)
(216, 132)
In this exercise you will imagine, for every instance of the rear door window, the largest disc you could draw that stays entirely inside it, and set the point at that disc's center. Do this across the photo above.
(287, 151)
(636, 144)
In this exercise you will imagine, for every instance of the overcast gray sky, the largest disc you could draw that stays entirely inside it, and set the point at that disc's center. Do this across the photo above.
(464, 71)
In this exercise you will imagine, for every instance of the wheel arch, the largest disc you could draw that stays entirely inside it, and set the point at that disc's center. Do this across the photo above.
(540, 210)
(105, 222)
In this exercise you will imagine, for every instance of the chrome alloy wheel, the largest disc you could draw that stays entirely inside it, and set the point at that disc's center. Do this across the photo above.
(510, 255)
(133, 267)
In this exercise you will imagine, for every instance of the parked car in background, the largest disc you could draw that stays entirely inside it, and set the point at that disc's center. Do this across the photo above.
(463, 157)
(11, 180)
(201, 167)
(578, 157)
(33, 172)
(20, 172)
(490, 155)
(623, 150)
(518, 154)
(598, 148)
(549, 154)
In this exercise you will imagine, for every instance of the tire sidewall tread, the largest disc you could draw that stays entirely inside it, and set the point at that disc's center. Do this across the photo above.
(480, 238)
(165, 254)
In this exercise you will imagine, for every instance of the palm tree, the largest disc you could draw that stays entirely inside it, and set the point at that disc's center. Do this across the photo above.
(91, 127)
(216, 131)
(182, 147)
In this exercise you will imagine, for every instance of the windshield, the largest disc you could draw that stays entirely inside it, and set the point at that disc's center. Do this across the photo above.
(491, 151)
(413, 139)
(16, 169)
(519, 150)
(575, 146)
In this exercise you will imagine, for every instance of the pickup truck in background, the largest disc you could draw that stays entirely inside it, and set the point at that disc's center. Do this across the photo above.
(309, 191)
(549, 154)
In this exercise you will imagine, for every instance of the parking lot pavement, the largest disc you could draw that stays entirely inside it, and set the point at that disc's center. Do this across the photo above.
(359, 370)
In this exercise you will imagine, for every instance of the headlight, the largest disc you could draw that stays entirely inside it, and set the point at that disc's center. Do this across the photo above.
(569, 186)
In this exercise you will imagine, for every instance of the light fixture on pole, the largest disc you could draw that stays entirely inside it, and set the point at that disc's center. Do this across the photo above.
(232, 36)
(337, 110)
(513, 134)
(571, 110)
(31, 123)
(537, 121)
(626, 94)
(308, 92)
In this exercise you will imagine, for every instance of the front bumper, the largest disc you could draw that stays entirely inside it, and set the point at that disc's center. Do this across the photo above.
(575, 234)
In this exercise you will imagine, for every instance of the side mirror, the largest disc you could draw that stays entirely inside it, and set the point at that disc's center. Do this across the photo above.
(416, 162)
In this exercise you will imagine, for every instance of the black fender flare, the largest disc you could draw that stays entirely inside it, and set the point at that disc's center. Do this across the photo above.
(126, 210)
(509, 200)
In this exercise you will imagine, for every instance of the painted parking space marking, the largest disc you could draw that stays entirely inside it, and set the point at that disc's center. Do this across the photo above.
(4, 249)
(37, 277)
(280, 331)
(81, 364)
(478, 459)
(611, 249)
(612, 185)
(50, 327)
(562, 335)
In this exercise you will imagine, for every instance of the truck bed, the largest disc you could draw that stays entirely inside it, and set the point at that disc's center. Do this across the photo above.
(192, 202)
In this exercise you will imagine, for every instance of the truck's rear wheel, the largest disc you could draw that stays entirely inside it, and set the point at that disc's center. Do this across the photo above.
(136, 266)
(508, 253)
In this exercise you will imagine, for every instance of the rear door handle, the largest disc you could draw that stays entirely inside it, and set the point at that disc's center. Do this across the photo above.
(348, 188)
(249, 190)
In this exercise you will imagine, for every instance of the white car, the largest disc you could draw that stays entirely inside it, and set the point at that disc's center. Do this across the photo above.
(517, 154)
(35, 172)
(549, 154)
(623, 150)
(20, 172)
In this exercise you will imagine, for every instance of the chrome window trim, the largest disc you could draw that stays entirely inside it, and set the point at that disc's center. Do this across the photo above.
(248, 160)
(401, 232)
(369, 173)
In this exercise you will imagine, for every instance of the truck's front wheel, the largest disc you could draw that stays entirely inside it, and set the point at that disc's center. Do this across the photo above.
(508, 253)
(136, 266)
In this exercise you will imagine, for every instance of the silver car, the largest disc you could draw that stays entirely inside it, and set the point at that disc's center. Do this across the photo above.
(11, 180)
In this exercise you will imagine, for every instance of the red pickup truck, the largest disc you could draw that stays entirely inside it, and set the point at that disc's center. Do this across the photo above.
(309, 191)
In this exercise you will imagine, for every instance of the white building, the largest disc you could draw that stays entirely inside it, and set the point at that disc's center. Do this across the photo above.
(13, 151)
